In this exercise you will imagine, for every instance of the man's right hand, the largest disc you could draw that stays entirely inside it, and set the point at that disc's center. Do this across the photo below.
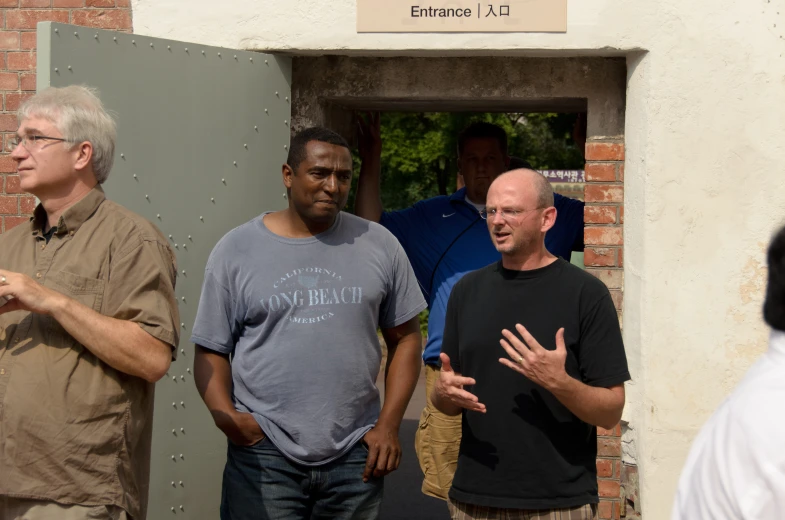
(240, 428)
(369, 137)
(449, 388)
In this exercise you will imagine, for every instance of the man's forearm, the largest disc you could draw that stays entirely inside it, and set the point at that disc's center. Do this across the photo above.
(401, 374)
(213, 378)
(121, 344)
(368, 202)
(594, 405)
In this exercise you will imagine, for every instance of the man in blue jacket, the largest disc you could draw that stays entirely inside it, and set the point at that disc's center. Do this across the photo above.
(445, 237)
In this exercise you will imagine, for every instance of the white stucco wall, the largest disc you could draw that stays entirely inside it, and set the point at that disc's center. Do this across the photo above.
(703, 182)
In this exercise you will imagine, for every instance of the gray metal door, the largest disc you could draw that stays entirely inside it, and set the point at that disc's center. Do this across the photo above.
(202, 135)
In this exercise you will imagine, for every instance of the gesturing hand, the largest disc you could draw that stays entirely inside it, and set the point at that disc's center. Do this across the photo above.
(22, 293)
(384, 451)
(450, 385)
(542, 366)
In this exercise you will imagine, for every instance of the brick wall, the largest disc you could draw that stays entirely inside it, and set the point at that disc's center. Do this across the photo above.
(604, 257)
(17, 74)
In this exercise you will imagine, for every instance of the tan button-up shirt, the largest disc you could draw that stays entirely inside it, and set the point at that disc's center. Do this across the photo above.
(72, 429)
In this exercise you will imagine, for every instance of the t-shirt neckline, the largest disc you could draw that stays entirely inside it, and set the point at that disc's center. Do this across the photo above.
(514, 274)
(259, 221)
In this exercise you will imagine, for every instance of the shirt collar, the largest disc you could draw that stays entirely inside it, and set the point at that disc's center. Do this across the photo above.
(73, 217)
(777, 342)
(459, 195)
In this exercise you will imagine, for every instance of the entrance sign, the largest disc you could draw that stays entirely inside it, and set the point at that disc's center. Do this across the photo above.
(461, 16)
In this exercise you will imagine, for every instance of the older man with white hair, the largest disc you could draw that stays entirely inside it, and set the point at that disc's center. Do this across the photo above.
(87, 324)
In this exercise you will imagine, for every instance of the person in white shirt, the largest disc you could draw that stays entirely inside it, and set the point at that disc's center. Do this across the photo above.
(736, 467)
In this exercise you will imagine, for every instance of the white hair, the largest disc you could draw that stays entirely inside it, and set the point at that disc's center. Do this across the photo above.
(79, 115)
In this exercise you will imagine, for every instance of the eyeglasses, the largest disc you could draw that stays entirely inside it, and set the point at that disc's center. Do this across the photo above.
(506, 214)
(29, 141)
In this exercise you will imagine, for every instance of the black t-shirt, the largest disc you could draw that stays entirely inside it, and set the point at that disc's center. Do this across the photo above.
(528, 451)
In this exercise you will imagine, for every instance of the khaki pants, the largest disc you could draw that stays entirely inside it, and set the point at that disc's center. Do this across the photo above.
(23, 509)
(437, 441)
(463, 511)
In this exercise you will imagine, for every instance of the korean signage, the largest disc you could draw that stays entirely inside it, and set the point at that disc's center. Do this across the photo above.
(462, 16)
(563, 175)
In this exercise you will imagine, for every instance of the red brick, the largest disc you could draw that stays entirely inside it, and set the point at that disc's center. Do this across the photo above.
(621, 257)
(8, 122)
(7, 165)
(609, 488)
(602, 172)
(68, 3)
(599, 215)
(12, 222)
(599, 256)
(123, 3)
(102, 19)
(100, 3)
(27, 19)
(621, 214)
(28, 81)
(26, 204)
(604, 151)
(2, 60)
(35, 3)
(9, 40)
(29, 41)
(604, 193)
(605, 510)
(21, 61)
(612, 278)
(12, 184)
(603, 235)
(9, 3)
(9, 205)
(615, 432)
(14, 99)
(8, 146)
(608, 447)
(617, 469)
(621, 172)
(9, 81)
(604, 468)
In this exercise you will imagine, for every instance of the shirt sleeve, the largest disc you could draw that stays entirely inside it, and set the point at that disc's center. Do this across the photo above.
(403, 224)
(141, 289)
(450, 336)
(404, 300)
(568, 231)
(602, 360)
(216, 326)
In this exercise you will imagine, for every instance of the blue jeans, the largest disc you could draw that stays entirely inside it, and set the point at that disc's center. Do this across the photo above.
(259, 483)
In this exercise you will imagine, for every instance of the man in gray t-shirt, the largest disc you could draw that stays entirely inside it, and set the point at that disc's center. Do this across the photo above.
(295, 298)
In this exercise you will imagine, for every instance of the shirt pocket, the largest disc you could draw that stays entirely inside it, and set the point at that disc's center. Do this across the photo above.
(87, 291)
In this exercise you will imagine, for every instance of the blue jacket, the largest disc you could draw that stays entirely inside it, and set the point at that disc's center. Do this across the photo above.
(445, 238)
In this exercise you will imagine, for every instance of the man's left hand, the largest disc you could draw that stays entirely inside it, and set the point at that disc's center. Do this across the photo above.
(25, 294)
(384, 451)
(542, 366)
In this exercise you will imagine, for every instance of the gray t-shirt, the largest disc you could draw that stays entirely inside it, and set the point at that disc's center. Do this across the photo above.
(299, 317)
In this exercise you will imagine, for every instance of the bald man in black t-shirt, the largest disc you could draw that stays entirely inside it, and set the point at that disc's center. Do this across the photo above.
(529, 419)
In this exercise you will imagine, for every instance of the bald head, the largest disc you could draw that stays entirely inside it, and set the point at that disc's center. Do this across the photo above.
(533, 188)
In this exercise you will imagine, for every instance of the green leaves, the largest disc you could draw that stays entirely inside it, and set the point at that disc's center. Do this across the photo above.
(419, 150)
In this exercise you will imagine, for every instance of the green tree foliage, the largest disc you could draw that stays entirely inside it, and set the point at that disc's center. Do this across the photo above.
(419, 149)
